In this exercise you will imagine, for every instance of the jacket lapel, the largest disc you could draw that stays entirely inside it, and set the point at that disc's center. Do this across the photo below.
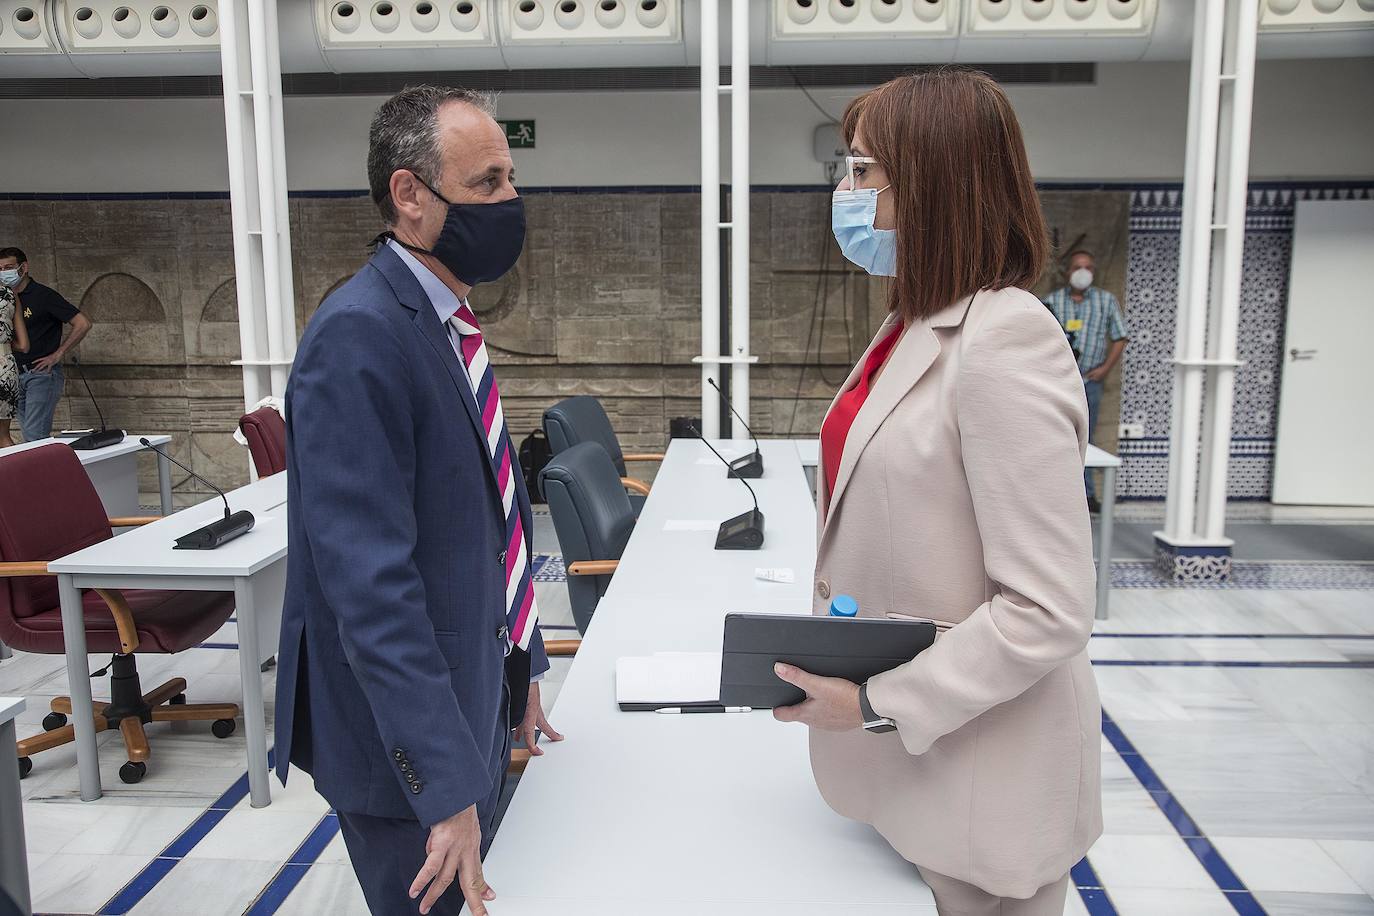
(908, 363)
(426, 321)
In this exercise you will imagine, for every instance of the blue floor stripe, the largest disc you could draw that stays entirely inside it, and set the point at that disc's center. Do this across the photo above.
(1090, 889)
(1233, 636)
(1234, 890)
(152, 874)
(1207, 663)
(296, 867)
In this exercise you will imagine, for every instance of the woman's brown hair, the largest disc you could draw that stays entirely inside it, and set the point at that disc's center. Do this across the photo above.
(967, 216)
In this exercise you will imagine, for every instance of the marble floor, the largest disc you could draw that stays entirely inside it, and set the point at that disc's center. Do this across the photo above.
(1238, 774)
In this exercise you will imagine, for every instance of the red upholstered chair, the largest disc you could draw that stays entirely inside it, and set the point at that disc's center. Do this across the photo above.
(265, 431)
(49, 509)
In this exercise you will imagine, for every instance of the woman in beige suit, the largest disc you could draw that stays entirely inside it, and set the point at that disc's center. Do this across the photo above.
(952, 490)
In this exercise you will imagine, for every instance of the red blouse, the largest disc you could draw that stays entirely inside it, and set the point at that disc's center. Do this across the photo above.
(835, 428)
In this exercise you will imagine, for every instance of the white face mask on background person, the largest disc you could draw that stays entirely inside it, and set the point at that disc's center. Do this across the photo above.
(1081, 279)
(10, 277)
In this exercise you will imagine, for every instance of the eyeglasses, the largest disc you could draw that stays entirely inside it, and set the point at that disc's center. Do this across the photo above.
(855, 165)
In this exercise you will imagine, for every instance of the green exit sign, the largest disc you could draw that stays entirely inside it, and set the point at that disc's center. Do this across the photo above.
(519, 134)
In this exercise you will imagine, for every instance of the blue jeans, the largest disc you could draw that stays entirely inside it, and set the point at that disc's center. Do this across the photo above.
(39, 393)
(1094, 392)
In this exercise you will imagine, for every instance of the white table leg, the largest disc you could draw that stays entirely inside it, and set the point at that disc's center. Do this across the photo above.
(254, 719)
(164, 482)
(79, 676)
(14, 862)
(1104, 541)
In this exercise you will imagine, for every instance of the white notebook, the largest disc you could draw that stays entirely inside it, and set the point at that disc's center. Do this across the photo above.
(648, 682)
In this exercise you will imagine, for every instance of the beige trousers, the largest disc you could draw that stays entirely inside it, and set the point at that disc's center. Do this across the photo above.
(955, 898)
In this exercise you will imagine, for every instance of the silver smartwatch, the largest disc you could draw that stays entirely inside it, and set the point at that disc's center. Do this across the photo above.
(874, 724)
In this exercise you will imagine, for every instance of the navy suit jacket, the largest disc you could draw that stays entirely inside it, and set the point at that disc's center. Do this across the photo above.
(392, 655)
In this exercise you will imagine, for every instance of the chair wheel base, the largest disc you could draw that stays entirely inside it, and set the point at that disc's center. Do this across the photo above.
(53, 721)
(133, 771)
(25, 766)
(223, 728)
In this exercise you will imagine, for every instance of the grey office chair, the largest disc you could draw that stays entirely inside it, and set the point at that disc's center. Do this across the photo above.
(593, 519)
(583, 419)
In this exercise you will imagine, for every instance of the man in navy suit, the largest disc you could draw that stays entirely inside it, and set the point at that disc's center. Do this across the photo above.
(410, 648)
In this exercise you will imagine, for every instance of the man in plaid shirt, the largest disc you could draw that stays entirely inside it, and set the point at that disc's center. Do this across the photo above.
(1092, 319)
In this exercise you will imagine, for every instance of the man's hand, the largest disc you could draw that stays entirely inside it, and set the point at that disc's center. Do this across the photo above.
(1096, 374)
(533, 723)
(831, 704)
(455, 850)
(46, 363)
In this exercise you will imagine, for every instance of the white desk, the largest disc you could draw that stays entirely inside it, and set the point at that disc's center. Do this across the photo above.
(674, 815)
(809, 452)
(253, 567)
(14, 861)
(114, 471)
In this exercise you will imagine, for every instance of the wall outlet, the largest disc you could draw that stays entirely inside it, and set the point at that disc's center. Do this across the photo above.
(1131, 431)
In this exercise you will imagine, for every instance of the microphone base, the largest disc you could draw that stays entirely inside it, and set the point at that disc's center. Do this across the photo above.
(101, 438)
(217, 533)
(743, 532)
(747, 467)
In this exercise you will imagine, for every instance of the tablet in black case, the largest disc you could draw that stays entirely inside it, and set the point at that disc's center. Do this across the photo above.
(854, 648)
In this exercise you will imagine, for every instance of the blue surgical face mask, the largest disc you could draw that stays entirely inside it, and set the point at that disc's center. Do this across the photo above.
(10, 277)
(851, 218)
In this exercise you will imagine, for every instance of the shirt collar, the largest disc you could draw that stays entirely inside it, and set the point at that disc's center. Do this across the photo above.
(445, 302)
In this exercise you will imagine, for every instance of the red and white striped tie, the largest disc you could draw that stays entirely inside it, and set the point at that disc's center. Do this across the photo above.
(521, 613)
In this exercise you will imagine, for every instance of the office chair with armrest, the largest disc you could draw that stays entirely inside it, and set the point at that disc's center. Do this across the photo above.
(265, 431)
(593, 518)
(49, 509)
(583, 419)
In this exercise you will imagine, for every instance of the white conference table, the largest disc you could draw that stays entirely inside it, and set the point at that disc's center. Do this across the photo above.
(14, 861)
(253, 567)
(810, 452)
(114, 472)
(657, 814)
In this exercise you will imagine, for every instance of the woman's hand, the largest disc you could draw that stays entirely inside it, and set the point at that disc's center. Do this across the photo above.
(831, 704)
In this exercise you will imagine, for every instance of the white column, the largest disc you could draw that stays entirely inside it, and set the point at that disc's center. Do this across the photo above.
(710, 215)
(1210, 257)
(257, 193)
(739, 212)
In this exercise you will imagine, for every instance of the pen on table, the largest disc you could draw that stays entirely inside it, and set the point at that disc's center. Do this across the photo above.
(678, 710)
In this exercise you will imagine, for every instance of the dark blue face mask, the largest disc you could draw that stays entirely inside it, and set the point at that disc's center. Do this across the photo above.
(479, 242)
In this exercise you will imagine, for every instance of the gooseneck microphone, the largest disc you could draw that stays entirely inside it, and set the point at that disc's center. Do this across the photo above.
(234, 524)
(96, 438)
(750, 466)
(744, 531)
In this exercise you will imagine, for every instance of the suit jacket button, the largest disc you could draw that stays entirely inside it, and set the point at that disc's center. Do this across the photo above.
(405, 766)
(501, 558)
(398, 754)
(823, 588)
(415, 788)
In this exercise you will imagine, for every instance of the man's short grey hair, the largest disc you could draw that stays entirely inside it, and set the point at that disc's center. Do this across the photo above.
(405, 135)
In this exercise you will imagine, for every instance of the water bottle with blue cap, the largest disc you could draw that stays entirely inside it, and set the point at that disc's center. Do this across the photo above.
(844, 606)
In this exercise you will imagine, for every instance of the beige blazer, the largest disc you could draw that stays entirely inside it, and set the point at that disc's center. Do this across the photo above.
(960, 498)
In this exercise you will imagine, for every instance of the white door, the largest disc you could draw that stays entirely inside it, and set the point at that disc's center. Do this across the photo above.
(1324, 454)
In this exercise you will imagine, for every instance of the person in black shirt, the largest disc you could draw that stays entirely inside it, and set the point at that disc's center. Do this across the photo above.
(40, 369)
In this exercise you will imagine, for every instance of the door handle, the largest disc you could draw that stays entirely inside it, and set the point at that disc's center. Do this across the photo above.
(1295, 354)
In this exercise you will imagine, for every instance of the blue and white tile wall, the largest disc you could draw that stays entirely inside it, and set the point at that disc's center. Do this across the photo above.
(1152, 304)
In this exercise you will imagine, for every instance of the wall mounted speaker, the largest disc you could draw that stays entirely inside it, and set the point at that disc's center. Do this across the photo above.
(24, 28)
(1315, 15)
(802, 20)
(132, 26)
(571, 23)
(379, 25)
(1089, 18)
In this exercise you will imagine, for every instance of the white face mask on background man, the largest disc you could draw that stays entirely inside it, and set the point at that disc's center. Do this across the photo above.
(10, 277)
(1081, 279)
